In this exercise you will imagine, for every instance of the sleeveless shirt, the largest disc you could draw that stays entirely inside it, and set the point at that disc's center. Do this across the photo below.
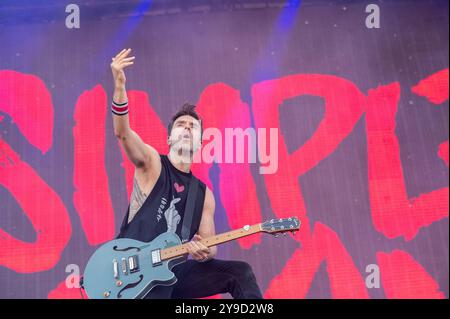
(163, 209)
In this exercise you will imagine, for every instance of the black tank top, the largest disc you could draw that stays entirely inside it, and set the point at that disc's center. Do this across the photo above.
(163, 210)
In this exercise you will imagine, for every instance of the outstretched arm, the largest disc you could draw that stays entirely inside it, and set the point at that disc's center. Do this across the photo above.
(140, 154)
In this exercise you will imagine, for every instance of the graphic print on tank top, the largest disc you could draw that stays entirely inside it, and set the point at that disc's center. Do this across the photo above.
(172, 216)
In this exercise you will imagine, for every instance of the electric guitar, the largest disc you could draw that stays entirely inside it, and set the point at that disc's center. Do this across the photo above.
(129, 269)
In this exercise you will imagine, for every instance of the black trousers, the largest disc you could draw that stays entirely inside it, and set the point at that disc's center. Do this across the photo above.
(199, 280)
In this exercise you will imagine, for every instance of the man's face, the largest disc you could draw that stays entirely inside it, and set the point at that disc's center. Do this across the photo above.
(185, 134)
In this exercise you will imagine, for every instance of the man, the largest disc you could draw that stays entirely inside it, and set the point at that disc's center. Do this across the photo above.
(158, 201)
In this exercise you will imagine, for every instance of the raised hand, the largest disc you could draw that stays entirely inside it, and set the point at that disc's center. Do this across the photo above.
(119, 62)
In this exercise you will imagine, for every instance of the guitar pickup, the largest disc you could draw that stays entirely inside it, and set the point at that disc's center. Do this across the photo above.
(156, 257)
(133, 264)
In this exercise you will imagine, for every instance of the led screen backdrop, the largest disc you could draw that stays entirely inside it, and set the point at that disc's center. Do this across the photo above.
(358, 93)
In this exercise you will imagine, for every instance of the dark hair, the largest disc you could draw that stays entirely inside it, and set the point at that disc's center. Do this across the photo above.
(186, 109)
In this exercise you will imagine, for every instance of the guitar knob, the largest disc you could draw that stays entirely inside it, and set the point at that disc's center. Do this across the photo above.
(118, 283)
(106, 294)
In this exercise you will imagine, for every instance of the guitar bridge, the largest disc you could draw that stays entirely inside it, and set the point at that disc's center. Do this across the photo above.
(116, 269)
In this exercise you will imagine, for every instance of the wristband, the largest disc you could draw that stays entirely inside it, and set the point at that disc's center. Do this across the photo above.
(119, 109)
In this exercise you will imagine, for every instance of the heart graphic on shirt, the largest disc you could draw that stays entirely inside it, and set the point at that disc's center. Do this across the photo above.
(179, 188)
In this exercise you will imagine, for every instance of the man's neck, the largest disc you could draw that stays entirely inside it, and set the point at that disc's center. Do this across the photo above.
(180, 161)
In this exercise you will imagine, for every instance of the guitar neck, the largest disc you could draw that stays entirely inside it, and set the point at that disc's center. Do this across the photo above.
(179, 250)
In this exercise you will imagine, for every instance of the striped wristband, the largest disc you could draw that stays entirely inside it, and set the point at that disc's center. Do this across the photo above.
(119, 109)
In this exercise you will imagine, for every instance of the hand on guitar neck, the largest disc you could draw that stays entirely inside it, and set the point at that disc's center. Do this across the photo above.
(198, 250)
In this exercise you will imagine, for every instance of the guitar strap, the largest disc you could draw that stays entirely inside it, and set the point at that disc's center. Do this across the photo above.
(189, 209)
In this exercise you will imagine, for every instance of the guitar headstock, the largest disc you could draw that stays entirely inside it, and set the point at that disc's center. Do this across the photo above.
(281, 225)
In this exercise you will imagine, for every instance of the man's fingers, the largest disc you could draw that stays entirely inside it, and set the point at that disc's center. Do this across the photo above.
(196, 251)
(204, 249)
(125, 54)
(122, 54)
(201, 249)
(195, 246)
(197, 241)
(118, 54)
(193, 251)
(122, 65)
(191, 247)
(122, 60)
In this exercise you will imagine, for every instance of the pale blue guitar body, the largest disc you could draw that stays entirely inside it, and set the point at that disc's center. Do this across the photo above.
(129, 269)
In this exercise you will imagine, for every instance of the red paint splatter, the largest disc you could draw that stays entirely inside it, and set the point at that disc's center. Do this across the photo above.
(91, 197)
(45, 210)
(344, 106)
(296, 278)
(443, 152)
(434, 87)
(27, 101)
(404, 278)
(388, 197)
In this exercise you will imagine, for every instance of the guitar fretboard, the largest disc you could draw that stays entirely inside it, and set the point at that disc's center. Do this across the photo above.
(180, 250)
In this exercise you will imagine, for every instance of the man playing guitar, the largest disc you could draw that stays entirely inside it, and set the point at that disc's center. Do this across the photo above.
(159, 198)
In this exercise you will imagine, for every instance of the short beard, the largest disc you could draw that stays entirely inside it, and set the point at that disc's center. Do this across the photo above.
(185, 154)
